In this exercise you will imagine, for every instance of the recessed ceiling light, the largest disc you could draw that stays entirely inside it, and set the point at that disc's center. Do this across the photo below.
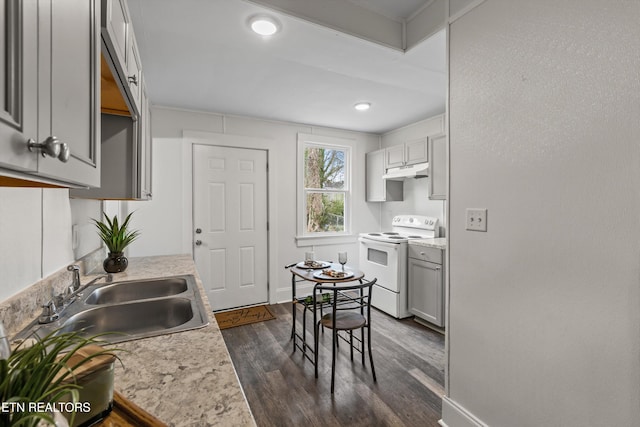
(264, 25)
(362, 106)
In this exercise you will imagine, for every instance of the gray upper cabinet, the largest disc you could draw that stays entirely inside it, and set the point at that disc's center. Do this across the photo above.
(125, 118)
(50, 61)
(121, 52)
(70, 90)
(438, 167)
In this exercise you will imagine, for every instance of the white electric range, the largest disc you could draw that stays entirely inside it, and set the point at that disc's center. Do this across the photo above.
(383, 255)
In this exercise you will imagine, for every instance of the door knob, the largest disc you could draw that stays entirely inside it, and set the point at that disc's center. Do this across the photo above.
(198, 242)
(198, 230)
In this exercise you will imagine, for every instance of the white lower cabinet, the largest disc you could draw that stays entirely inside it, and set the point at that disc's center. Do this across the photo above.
(426, 285)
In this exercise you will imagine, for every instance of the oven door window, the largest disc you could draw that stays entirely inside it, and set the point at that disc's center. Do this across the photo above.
(377, 256)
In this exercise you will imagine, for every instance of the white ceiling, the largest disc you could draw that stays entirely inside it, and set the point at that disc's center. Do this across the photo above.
(201, 55)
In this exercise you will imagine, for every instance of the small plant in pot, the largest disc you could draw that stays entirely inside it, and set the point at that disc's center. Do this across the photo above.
(116, 236)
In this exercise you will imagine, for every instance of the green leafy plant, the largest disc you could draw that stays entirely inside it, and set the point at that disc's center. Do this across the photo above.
(41, 371)
(115, 235)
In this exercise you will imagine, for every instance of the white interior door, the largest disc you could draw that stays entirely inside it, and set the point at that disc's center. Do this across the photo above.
(230, 224)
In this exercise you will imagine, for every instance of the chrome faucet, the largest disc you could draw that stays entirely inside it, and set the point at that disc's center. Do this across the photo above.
(75, 285)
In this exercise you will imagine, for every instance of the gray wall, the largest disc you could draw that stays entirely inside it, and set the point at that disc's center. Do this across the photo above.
(545, 307)
(36, 237)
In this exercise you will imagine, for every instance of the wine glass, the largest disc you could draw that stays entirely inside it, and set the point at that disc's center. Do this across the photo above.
(342, 259)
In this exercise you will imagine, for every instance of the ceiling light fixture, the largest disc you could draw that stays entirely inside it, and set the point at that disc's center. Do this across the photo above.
(264, 25)
(362, 106)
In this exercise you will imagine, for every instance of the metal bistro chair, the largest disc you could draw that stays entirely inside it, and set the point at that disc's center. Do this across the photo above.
(350, 310)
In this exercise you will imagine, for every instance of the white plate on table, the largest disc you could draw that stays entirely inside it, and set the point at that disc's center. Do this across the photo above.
(321, 275)
(321, 264)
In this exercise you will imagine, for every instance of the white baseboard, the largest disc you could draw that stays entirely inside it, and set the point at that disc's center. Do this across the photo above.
(454, 415)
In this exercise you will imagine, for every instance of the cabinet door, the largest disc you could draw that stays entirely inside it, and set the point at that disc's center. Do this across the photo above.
(379, 189)
(439, 167)
(394, 156)
(68, 88)
(375, 170)
(18, 84)
(426, 291)
(145, 147)
(416, 152)
(134, 73)
(115, 25)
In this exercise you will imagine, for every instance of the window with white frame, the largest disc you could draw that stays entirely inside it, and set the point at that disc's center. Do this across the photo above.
(324, 186)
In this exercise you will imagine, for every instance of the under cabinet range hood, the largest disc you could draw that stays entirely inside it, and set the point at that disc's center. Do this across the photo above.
(419, 170)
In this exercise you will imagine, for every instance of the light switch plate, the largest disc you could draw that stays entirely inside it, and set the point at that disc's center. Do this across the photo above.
(476, 219)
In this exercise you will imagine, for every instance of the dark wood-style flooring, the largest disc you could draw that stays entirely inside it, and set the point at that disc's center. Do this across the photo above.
(282, 391)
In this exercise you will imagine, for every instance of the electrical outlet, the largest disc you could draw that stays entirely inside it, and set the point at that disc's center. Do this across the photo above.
(477, 219)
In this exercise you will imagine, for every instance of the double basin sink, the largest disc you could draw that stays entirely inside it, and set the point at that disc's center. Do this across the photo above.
(128, 310)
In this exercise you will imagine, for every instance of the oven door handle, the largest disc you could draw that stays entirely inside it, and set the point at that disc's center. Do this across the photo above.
(373, 243)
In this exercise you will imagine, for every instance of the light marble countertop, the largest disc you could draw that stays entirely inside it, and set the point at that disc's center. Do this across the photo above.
(438, 243)
(186, 378)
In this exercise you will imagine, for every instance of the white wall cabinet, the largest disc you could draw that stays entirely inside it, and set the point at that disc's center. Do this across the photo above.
(377, 188)
(407, 154)
(426, 284)
(50, 62)
(394, 156)
(438, 167)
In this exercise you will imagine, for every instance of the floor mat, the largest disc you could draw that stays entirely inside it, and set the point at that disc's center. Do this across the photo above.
(243, 316)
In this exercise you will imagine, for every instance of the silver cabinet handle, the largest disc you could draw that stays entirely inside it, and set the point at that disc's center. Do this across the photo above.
(422, 253)
(52, 147)
(198, 242)
(133, 79)
(198, 230)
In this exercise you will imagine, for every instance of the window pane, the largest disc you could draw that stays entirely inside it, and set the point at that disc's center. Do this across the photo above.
(325, 212)
(323, 168)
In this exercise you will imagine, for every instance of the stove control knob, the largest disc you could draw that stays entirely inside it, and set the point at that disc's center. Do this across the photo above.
(411, 220)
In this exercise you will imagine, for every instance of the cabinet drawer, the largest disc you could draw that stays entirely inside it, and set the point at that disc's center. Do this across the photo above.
(425, 253)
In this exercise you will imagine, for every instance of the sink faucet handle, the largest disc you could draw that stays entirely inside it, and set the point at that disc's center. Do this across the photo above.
(75, 285)
(49, 312)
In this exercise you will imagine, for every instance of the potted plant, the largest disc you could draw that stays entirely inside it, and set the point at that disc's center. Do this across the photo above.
(39, 375)
(116, 237)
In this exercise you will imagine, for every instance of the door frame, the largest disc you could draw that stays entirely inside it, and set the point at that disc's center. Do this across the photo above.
(232, 141)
